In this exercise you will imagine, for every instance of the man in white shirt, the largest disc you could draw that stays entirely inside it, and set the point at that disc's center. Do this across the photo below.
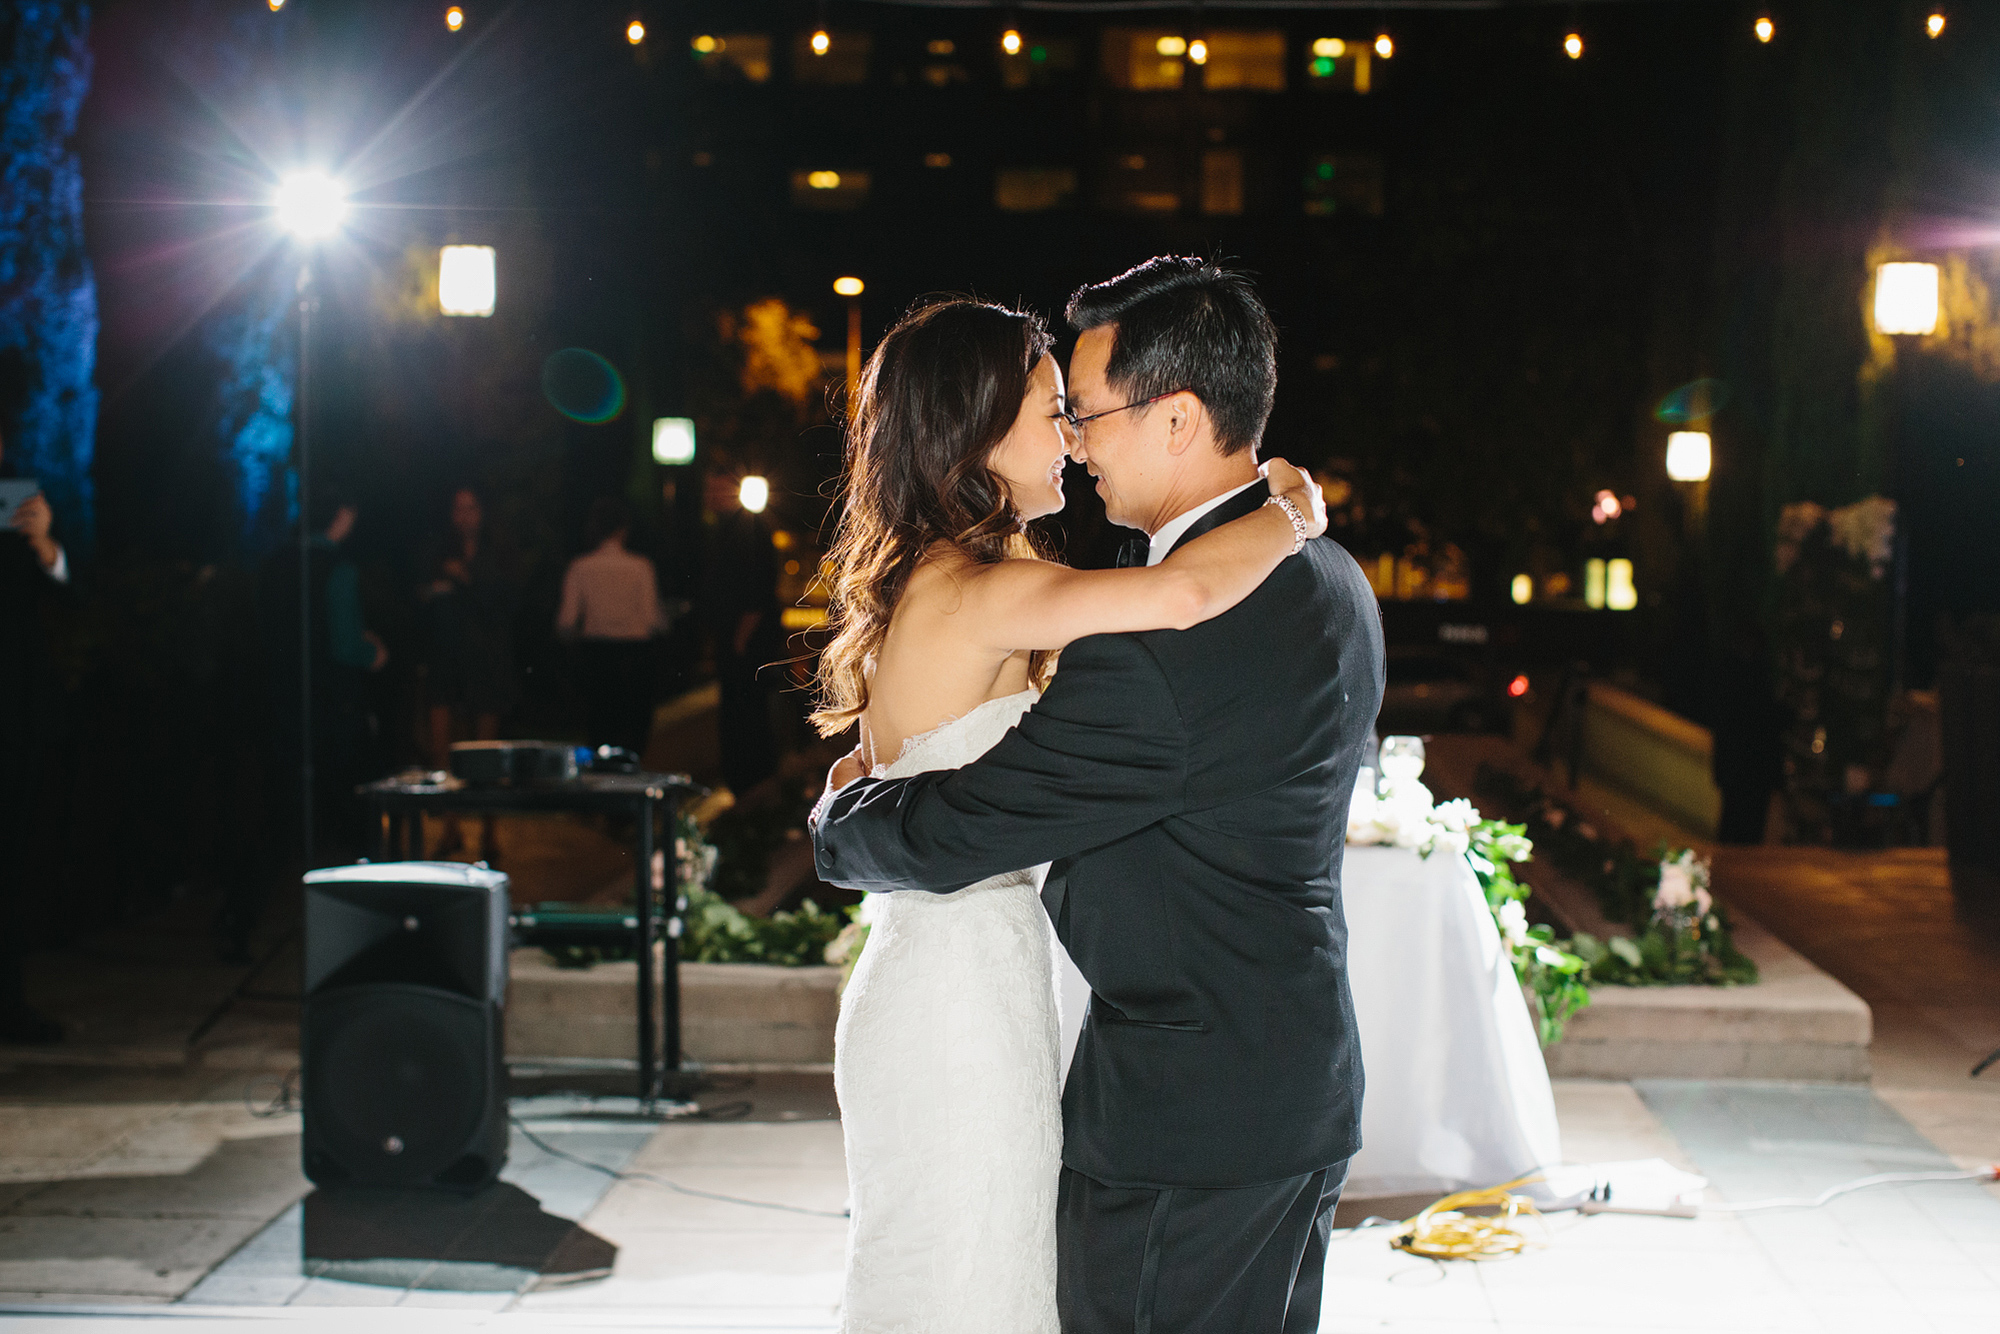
(611, 607)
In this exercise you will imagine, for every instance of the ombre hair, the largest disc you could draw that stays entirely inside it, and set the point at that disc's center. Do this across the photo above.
(941, 390)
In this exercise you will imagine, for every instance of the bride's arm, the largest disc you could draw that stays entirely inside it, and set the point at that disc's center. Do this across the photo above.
(1028, 604)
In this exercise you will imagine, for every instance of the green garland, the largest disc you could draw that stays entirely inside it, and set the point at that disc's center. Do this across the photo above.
(1666, 948)
(1552, 971)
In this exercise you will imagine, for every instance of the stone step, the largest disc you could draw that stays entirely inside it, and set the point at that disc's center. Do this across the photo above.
(731, 1013)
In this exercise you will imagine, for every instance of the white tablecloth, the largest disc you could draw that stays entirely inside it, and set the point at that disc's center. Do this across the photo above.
(1458, 1095)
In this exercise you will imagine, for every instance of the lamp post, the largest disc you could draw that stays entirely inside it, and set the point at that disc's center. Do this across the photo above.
(851, 288)
(310, 205)
(1906, 305)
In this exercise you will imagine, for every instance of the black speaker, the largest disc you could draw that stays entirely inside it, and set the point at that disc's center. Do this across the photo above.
(405, 989)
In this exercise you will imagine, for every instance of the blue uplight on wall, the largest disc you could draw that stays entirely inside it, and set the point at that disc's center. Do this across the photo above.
(48, 295)
(254, 338)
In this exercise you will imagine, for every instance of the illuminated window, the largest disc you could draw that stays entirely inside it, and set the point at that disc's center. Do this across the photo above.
(845, 61)
(1145, 59)
(1142, 182)
(734, 57)
(1033, 189)
(1222, 182)
(1337, 65)
(827, 191)
(1040, 62)
(1253, 61)
(1344, 185)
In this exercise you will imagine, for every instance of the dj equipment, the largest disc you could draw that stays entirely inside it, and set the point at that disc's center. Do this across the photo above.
(514, 763)
(405, 986)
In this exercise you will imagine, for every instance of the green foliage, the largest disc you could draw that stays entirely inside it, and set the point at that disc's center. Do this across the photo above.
(1553, 974)
(1665, 949)
(716, 932)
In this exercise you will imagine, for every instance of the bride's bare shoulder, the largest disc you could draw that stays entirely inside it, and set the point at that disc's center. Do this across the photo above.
(946, 578)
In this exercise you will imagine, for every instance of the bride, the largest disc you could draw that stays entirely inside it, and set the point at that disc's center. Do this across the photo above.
(947, 624)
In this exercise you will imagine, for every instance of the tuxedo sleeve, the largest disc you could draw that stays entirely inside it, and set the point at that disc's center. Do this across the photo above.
(1103, 754)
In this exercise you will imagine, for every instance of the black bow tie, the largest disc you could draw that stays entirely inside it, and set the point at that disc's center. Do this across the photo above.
(1134, 552)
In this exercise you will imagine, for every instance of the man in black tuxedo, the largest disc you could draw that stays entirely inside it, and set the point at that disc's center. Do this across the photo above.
(1191, 788)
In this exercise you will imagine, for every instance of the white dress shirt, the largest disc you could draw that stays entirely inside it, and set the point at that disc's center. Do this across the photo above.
(610, 593)
(1170, 532)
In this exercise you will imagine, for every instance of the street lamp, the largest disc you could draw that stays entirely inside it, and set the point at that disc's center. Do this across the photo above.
(1688, 456)
(851, 288)
(754, 493)
(311, 205)
(467, 284)
(1906, 298)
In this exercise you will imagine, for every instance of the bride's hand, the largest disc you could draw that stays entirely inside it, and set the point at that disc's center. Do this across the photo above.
(1301, 490)
(850, 767)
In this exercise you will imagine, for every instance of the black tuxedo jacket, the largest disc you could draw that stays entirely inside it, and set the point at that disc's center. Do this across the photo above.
(1191, 788)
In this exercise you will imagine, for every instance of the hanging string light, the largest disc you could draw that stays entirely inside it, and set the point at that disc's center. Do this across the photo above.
(635, 32)
(1573, 45)
(1934, 25)
(1385, 45)
(1010, 41)
(1764, 28)
(1197, 51)
(822, 41)
(454, 18)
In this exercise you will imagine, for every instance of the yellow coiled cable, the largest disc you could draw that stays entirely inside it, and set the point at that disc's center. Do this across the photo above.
(1443, 1232)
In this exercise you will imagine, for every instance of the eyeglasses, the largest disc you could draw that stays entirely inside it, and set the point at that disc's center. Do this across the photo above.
(1075, 423)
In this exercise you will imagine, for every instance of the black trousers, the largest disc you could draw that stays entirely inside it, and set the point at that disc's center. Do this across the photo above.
(617, 681)
(1184, 1261)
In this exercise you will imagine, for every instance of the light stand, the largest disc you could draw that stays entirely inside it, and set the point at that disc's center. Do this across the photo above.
(308, 298)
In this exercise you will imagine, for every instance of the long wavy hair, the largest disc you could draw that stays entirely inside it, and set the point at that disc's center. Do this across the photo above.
(941, 390)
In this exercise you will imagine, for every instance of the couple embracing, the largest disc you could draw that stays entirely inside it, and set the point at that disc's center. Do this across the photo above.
(1173, 801)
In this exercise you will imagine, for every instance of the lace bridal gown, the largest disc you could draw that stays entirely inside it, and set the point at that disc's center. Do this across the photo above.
(945, 1061)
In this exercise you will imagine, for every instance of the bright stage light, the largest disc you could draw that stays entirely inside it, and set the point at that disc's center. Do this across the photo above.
(1688, 456)
(635, 32)
(847, 286)
(466, 282)
(1765, 29)
(1385, 46)
(310, 204)
(1329, 48)
(1198, 51)
(1171, 46)
(1522, 590)
(822, 42)
(754, 494)
(454, 18)
(673, 440)
(1906, 299)
(1010, 42)
(1573, 46)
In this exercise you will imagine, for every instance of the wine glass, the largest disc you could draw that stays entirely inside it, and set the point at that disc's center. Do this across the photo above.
(1402, 759)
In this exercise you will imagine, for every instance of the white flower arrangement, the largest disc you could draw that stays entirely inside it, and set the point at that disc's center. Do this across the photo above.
(1683, 897)
(1866, 530)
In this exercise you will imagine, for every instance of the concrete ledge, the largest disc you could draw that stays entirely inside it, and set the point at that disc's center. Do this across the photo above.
(731, 1013)
(1660, 757)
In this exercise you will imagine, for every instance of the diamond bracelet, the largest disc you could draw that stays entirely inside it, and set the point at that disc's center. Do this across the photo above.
(1298, 521)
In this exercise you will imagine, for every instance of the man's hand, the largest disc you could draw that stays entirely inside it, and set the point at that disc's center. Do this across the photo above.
(33, 519)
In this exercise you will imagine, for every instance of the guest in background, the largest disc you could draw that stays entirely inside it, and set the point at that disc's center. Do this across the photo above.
(740, 598)
(611, 608)
(469, 665)
(35, 605)
(1748, 723)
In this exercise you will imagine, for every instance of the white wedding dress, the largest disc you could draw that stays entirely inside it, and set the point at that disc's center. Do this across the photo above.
(945, 1061)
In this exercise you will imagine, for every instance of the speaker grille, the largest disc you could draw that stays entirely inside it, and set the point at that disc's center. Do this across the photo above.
(396, 1079)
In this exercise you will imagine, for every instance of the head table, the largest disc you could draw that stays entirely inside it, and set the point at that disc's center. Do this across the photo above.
(1457, 1094)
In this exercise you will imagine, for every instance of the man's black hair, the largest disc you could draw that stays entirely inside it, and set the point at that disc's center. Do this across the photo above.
(1189, 324)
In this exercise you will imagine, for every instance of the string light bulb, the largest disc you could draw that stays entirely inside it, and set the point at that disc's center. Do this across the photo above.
(822, 42)
(1765, 29)
(454, 18)
(1934, 25)
(276, 5)
(1573, 46)
(1385, 45)
(635, 32)
(1198, 51)
(1010, 41)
